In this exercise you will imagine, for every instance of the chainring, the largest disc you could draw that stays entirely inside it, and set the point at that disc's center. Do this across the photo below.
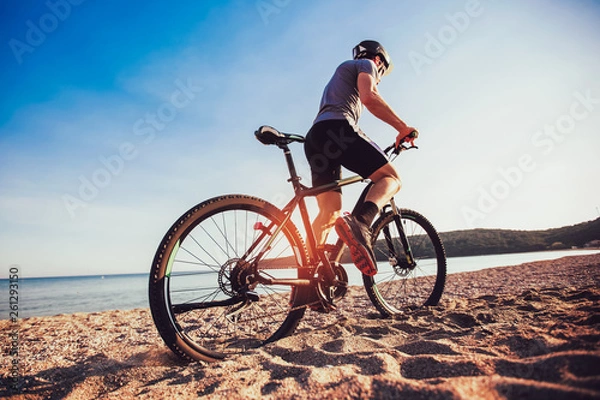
(338, 291)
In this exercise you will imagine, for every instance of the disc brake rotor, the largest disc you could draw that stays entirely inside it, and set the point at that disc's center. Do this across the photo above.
(402, 267)
(233, 276)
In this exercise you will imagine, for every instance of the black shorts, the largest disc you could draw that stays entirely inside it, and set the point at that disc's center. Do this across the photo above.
(333, 144)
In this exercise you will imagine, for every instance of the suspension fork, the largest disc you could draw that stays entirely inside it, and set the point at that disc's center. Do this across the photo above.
(403, 238)
(386, 230)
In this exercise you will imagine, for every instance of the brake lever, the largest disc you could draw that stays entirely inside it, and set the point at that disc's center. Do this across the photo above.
(397, 150)
(403, 147)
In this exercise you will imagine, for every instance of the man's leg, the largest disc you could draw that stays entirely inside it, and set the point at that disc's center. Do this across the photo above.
(354, 230)
(330, 205)
(386, 183)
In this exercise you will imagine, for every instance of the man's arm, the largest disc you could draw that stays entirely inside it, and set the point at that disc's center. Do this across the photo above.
(370, 97)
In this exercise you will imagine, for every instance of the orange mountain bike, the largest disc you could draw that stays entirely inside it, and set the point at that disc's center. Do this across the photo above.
(234, 273)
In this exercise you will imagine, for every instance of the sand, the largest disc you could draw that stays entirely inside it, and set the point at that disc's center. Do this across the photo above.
(528, 331)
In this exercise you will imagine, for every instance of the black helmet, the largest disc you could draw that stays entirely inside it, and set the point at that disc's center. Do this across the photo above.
(370, 49)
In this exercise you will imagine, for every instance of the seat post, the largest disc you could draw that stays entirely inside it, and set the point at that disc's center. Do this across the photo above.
(294, 178)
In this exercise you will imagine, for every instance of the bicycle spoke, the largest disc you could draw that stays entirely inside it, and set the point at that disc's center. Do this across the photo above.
(196, 257)
(214, 240)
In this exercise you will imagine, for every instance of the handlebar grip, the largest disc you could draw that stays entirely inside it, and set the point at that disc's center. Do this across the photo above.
(413, 135)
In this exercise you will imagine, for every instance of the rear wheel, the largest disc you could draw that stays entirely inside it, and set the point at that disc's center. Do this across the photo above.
(400, 285)
(206, 297)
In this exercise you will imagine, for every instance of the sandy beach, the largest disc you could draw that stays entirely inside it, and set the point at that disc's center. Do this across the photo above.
(527, 331)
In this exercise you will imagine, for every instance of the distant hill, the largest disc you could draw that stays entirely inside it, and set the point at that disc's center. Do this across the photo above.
(498, 241)
(475, 242)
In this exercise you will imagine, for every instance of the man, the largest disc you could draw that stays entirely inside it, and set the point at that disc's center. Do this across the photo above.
(335, 140)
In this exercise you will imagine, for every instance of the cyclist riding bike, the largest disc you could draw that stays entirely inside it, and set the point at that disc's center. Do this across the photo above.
(335, 140)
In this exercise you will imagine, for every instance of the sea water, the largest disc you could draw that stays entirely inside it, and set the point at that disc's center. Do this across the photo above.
(67, 295)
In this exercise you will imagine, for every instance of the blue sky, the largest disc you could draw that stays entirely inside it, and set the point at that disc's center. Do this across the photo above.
(116, 117)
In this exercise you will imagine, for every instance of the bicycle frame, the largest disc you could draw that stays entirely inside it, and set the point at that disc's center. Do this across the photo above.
(215, 278)
(298, 201)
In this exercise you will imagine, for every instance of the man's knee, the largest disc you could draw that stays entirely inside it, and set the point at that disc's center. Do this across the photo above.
(391, 179)
(388, 171)
(397, 182)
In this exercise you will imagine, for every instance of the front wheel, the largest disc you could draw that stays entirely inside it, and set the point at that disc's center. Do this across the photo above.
(209, 291)
(406, 282)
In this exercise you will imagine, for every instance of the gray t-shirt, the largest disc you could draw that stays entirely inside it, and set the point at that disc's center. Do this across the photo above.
(340, 98)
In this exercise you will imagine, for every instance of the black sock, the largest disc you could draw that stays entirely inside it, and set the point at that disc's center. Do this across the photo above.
(366, 212)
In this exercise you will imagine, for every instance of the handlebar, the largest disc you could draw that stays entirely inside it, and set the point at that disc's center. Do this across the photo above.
(397, 150)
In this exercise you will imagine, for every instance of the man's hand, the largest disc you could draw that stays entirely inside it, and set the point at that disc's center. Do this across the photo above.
(407, 135)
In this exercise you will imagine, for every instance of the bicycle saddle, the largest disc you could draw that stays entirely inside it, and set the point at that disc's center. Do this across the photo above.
(269, 135)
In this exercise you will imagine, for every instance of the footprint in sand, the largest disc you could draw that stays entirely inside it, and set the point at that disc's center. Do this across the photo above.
(568, 367)
(462, 319)
(426, 367)
(523, 347)
(334, 346)
(426, 347)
